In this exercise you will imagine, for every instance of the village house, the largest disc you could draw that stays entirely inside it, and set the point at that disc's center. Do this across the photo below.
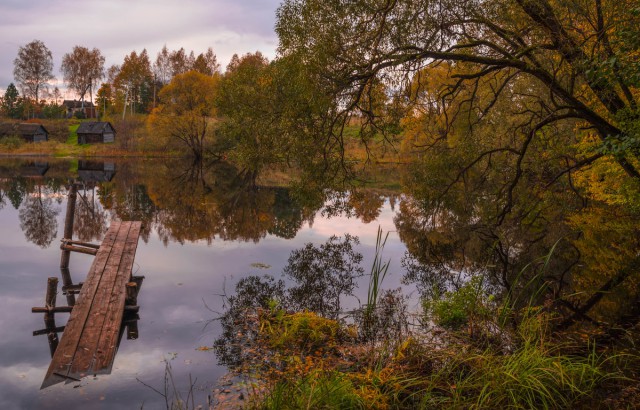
(73, 106)
(96, 132)
(29, 132)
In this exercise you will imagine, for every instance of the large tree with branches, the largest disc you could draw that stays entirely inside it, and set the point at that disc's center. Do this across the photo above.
(82, 69)
(580, 57)
(33, 68)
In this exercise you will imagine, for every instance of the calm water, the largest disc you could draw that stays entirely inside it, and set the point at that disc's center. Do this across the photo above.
(204, 230)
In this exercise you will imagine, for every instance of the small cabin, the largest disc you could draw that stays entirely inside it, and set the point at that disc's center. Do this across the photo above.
(29, 132)
(95, 132)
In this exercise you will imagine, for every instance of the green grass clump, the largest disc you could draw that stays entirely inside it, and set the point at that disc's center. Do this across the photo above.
(11, 142)
(453, 310)
(301, 330)
(319, 390)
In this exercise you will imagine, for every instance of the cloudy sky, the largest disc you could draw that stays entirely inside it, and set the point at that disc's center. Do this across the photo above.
(117, 27)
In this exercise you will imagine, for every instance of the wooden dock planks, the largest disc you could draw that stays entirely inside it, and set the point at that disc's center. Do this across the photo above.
(90, 340)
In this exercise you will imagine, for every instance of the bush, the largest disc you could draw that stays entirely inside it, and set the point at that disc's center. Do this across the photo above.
(11, 142)
(455, 309)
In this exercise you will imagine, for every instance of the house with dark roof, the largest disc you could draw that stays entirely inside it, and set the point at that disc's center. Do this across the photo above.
(74, 106)
(93, 132)
(28, 131)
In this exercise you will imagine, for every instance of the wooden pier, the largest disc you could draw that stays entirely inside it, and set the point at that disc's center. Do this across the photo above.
(93, 331)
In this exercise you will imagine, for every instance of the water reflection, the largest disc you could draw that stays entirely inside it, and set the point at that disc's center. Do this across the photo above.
(317, 278)
(70, 360)
(38, 217)
(582, 256)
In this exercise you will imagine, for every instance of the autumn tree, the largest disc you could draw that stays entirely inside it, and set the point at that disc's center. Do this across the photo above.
(33, 68)
(82, 69)
(11, 103)
(245, 101)
(186, 111)
(162, 66)
(179, 61)
(579, 57)
(207, 63)
(133, 81)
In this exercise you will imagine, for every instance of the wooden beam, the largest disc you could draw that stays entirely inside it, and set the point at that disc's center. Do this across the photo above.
(71, 248)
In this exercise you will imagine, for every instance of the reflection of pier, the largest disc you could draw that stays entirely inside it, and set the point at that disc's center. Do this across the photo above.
(106, 302)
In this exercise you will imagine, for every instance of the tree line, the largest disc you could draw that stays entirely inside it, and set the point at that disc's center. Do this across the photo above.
(131, 86)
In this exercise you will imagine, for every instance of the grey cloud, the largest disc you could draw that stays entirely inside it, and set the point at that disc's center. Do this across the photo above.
(120, 26)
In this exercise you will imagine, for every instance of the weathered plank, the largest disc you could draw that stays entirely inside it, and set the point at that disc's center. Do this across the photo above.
(91, 336)
(63, 357)
(88, 343)
(108, 342)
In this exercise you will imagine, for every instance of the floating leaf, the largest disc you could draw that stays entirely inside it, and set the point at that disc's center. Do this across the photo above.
(260, 265)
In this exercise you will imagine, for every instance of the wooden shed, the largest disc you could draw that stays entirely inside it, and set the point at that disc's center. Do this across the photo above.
(96, 132)
(29, 132)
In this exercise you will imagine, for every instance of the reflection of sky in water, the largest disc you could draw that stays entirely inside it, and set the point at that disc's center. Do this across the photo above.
(182, 283)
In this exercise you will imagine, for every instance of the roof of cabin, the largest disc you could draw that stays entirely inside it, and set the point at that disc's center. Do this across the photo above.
(30, 129)
(21, 129)
(77, 104)
(94, 127)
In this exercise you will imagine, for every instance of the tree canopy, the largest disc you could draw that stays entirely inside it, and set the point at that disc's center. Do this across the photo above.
(33, 68)
(82, 69)
(186, 111)
(578, 58)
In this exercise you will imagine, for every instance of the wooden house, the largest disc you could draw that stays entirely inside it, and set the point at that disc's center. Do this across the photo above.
(74, 106)
(96, 132)
(29, 132)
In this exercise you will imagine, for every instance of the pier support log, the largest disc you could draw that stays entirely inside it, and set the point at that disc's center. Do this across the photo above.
(49, 317)
(52, 291)
(68, 223)
(132, 294)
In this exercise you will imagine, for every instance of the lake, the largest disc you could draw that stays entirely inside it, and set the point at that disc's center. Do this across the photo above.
(204, 229)
(216, 239)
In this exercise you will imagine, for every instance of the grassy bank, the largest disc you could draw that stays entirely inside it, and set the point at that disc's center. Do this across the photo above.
(381, 357)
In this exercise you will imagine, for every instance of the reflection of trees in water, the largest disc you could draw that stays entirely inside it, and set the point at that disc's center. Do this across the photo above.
(16, 192)
(321, 277)
(366, 205)
(200, 203)
(38, 218)
(446, 246)
(90, 221)
(233, 346)
(550, 249)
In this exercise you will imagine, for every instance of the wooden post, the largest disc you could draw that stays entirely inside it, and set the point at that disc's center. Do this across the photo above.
(52, 291)
(52, 336)
(138, 280)
(68, 223)
(49, 317)
(67, 283)
(132, 294)
(132, 329)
